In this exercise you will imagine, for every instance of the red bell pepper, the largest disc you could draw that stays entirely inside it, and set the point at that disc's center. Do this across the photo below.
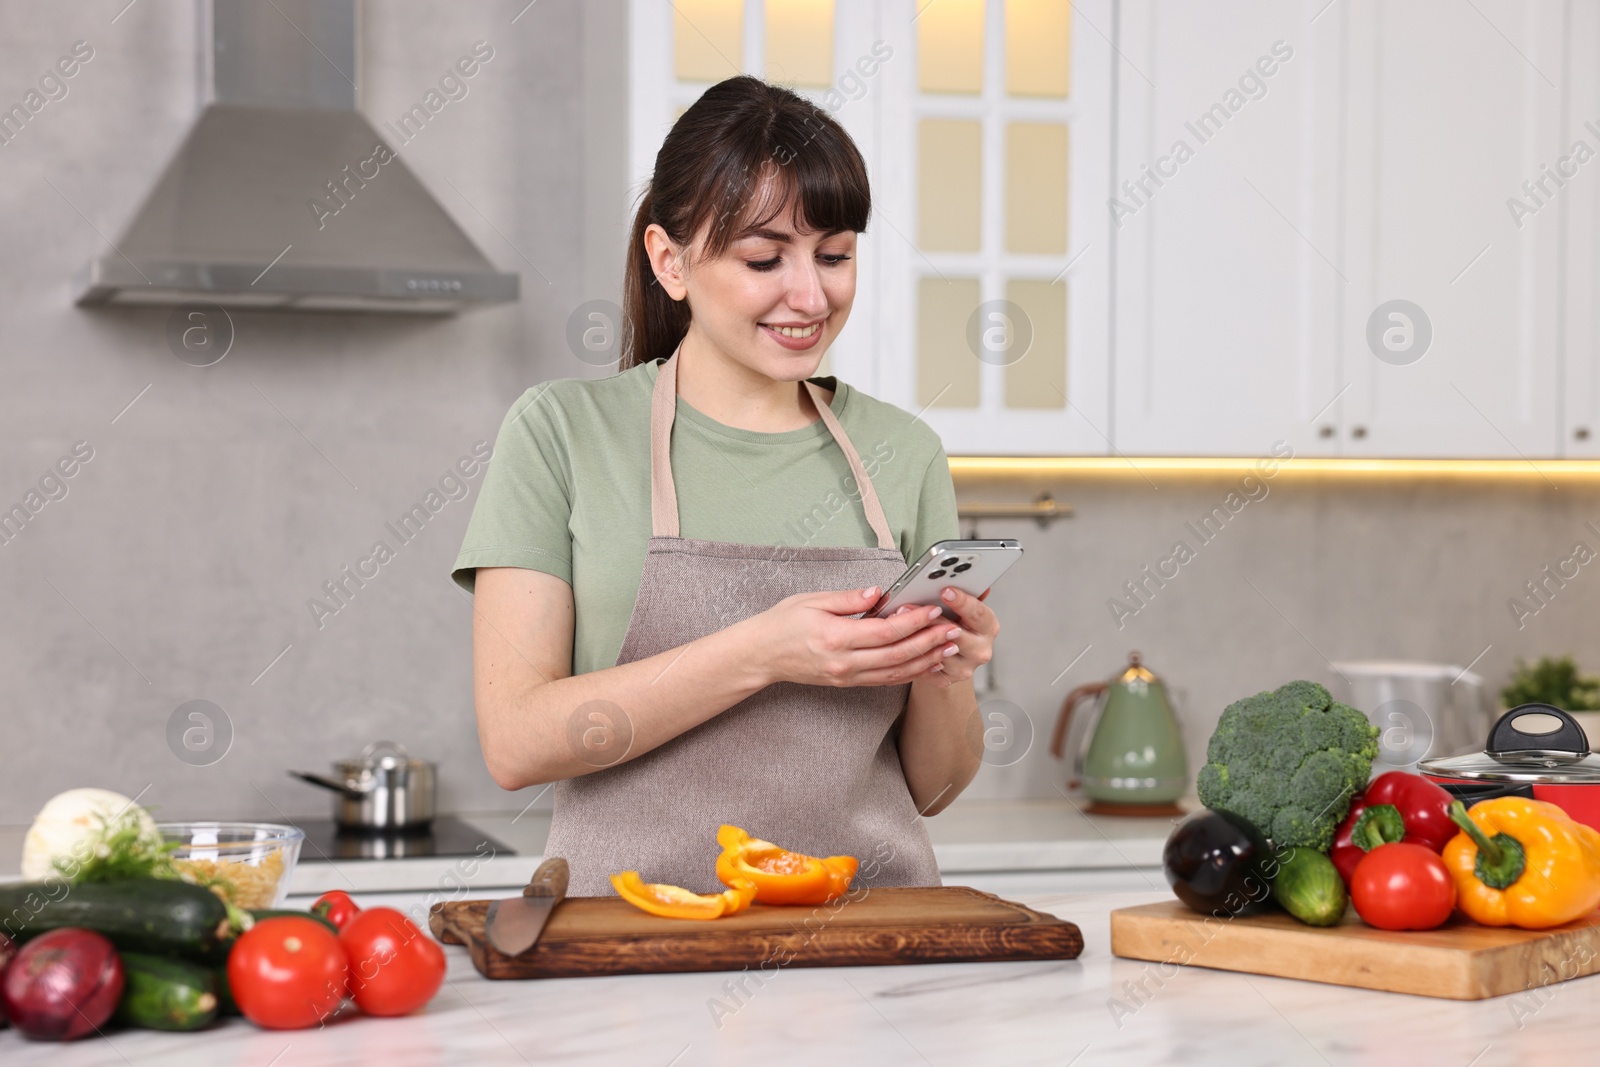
(1395, 807)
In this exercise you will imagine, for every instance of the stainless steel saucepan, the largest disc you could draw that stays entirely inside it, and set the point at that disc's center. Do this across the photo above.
(382, 789)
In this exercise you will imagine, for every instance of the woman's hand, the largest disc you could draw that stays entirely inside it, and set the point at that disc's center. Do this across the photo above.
(974, 640)
(809, 638)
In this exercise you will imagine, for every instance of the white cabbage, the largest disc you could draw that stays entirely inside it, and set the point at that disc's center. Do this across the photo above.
(71, 824)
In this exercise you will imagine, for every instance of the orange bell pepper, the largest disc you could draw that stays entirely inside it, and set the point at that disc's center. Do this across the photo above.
(675, 902)
(1522, 862)
(781, 876)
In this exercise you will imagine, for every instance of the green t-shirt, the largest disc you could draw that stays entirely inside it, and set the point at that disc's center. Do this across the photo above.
(568, 490)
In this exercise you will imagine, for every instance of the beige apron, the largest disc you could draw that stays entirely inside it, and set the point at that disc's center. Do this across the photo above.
(809, 767)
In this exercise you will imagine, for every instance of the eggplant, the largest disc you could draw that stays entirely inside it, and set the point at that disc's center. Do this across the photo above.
(62, 985)
(1216, 863)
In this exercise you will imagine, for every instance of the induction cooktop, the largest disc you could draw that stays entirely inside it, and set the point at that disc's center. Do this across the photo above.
(444, 836)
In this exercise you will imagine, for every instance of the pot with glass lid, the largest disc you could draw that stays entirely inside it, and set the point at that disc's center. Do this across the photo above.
(1534, 750)
(384, 788)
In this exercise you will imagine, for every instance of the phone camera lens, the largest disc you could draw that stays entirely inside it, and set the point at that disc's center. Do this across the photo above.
(948, 562)
(963, 567)
(936, 574)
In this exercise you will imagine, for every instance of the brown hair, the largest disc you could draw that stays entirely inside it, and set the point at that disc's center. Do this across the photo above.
(709, 170)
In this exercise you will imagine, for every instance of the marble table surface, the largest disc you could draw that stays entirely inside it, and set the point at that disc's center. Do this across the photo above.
(1081, 1013)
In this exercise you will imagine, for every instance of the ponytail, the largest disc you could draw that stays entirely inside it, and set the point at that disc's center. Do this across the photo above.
(652, 322)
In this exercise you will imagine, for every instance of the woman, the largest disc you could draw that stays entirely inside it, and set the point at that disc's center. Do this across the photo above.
(665, 622)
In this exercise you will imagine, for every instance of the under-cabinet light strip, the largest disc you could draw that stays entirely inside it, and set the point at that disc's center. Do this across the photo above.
(1134, 466)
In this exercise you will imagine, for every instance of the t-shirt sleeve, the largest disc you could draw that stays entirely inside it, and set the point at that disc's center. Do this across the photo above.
(936, 508)
(522, 515)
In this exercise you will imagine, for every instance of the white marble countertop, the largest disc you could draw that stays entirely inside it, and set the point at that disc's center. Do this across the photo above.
(955, 1014)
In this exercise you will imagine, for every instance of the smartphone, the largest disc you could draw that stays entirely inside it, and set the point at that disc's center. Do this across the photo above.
(970, 566)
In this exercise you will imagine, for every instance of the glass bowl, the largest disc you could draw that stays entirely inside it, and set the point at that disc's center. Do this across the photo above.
(255, 859)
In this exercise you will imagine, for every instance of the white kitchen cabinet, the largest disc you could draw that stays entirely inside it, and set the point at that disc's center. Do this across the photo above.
(1450, 108)
(1283, 173)
(1580, 204)
(1257, 287)
(1227, 228)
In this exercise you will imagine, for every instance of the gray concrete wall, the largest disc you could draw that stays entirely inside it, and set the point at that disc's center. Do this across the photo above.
(1320, 569)
(178, 564)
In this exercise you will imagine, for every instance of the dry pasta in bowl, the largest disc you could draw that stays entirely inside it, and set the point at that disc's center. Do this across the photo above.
(249, 865)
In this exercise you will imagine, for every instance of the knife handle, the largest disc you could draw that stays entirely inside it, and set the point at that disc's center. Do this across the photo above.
(550, 880)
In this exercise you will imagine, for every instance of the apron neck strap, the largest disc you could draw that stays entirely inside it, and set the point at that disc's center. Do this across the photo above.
(664, 493)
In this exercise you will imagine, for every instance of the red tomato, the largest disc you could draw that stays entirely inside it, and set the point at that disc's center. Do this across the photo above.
(288, 973)
(336, 906)
(395, 968)
(1402, 886)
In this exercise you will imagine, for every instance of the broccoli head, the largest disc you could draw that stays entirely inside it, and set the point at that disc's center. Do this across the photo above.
(1289, 761)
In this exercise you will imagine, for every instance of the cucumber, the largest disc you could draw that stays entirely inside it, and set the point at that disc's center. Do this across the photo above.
(166, 994)
(152, 915)
(278, 913)
(1308, 887)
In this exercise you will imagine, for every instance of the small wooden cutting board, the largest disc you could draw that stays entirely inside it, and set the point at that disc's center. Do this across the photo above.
(607, 935)
(1459, 961)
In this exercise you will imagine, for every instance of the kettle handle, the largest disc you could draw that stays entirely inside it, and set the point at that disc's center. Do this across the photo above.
(1079, 694)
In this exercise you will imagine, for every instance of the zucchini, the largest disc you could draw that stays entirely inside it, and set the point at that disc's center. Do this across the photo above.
(279, 913)
(226, 1005)
(166, 994)
(153, 915)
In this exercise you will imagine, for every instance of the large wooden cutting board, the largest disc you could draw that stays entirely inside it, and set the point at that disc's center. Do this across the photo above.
(607, 935)
(1459, 961)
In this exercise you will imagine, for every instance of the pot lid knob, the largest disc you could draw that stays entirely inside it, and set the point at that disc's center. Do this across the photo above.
(386, 754)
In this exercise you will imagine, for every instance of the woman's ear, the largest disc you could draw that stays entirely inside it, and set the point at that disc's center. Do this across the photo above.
(666, 260)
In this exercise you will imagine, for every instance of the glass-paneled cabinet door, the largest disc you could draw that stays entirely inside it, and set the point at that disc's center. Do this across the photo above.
(827, 51)
(981, 300)
(991, 189)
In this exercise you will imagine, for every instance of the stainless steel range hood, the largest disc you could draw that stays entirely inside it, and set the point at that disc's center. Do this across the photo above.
(283, 195)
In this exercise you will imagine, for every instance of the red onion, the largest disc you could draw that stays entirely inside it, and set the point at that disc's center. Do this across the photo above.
(62, 985)
(8, 949)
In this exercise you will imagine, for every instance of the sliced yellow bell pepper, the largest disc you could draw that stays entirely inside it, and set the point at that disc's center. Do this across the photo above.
(1521, 862)
(781, 876)
(675, 902)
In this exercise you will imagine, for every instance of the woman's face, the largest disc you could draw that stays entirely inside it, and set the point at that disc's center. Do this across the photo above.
(773, 301)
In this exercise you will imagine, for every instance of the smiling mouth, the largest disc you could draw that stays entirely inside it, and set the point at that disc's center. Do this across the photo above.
(798, 332)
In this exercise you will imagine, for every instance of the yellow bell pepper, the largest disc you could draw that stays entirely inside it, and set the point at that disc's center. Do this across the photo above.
(675, 902)
(781, 876)
(1521, 862)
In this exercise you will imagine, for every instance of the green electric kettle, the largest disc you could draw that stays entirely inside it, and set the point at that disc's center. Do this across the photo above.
(1134, 763)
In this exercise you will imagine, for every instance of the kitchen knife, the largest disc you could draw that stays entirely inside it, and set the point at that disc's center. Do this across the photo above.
(514, 925)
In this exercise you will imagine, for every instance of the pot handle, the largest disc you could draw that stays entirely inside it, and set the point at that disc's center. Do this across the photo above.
(1470, 793)
(329, 783)
(1093, 689)
(1505, 738)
